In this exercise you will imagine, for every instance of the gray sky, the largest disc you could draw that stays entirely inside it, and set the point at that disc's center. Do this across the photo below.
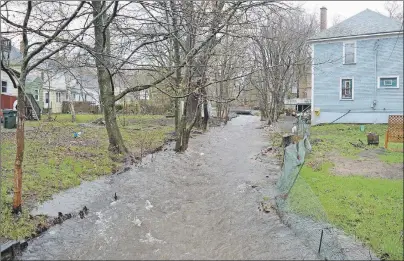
(344, 9)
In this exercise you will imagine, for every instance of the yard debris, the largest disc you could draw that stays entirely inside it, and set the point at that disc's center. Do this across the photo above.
(360, 145)
(385, 256)
(83, 212)
(76, 134)
(99, 121)
(373, 138)
(196, 132)
(12, 249)
(265, 206)
(315, 141)
(265, 151)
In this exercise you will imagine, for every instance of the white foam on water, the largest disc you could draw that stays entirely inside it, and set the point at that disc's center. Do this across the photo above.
(148, 205)
(150, 240)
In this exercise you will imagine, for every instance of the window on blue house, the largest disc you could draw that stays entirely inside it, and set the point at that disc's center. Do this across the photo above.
(346, 89)
(388, 82)
(349, 53)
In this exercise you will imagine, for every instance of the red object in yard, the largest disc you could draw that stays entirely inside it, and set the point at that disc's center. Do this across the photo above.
(7, 101)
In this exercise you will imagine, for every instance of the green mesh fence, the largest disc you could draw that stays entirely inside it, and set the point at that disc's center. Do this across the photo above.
(301, 209)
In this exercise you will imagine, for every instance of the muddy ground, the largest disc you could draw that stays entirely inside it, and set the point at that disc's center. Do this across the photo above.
(367, 165)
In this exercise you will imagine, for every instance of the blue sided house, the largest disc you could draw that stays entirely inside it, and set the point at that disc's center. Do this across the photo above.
(357, 70)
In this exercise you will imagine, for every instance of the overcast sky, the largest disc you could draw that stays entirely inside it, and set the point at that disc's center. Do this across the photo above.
(340, 9)
(344, 9)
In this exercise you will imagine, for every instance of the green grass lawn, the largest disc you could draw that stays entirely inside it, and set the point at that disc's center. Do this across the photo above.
(370, 208)
(336, 137)
(54, 160)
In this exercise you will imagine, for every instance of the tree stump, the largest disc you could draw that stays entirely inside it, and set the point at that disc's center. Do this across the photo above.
(287, 139)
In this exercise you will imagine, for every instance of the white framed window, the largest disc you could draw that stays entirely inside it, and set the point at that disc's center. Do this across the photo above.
(388, 82)
(58, 96)
(349, 52)
(36, 95)
(3, 86)
(346, 89)
(47, 98)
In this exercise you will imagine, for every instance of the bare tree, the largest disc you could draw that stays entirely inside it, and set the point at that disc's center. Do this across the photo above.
(394, 9)
(34, 54)
(280, 49)
(337, 19)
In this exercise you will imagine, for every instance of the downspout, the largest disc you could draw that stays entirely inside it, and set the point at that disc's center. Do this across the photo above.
(373, 106)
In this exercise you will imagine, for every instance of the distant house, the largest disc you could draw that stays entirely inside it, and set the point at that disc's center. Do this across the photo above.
(357, 70)
(57, 80)
(33, 87)
(299, 98)
(8, 92)
(125, 80)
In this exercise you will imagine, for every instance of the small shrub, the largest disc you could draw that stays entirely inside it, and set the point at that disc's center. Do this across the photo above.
(119, 107)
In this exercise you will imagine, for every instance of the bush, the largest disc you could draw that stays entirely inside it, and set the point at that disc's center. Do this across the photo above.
(150, 107)
(119, 107)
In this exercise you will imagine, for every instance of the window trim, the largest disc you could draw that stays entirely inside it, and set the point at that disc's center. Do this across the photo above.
(47, 97)
(343, 52)
(340, 88)
(58, 97)
(36, 94)
(388, 76)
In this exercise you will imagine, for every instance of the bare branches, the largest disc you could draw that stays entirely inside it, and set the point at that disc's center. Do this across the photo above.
(71, 41)
(51, 38)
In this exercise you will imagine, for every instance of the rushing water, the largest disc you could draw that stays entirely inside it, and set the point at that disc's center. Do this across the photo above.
(202, 204)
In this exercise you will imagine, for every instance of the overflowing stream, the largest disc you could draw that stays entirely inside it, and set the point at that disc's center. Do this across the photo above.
(202, 204)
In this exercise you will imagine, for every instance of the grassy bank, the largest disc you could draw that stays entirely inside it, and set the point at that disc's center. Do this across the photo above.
(367, 206)
(54, 160)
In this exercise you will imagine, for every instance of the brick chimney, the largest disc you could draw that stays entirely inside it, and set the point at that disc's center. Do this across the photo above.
(323, 18)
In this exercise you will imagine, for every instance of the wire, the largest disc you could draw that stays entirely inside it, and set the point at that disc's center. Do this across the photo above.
(398, 36)
(340, 117)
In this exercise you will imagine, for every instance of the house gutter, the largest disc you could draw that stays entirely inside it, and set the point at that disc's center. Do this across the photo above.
(355, 36)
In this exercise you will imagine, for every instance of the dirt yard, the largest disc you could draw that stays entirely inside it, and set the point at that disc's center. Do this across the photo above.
(368, 165)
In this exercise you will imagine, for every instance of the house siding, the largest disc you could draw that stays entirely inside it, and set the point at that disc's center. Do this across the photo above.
(36, 85)
(329, 69)
(11, 91)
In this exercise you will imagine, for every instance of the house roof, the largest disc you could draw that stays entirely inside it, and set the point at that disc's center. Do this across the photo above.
(366, 22)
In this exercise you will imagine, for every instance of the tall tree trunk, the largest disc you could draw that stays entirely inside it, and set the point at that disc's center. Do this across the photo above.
(69, 99)
(17, 199)
(205, 119)
(49, 99)
(102, 50)
(177, 80)
(183, 138)
(71, 104)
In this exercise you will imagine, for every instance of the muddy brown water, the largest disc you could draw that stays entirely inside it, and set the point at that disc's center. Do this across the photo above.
(202, 204)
